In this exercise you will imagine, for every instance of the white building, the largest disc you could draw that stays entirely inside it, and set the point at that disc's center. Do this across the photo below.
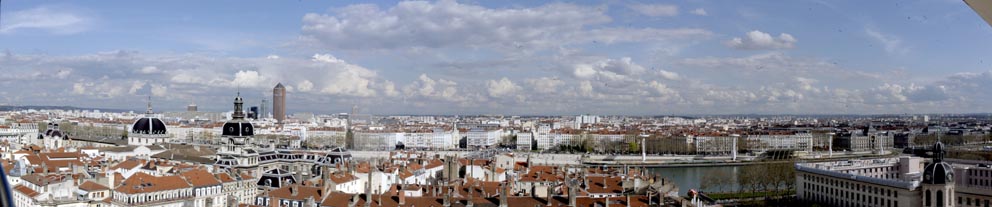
(581, 120)
(525, 140)
(484, 138)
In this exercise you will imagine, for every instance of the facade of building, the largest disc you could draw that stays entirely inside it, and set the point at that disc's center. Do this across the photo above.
(484, 137)
(902, 181)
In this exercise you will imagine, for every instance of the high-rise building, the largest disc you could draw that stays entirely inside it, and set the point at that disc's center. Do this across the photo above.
(253, 112)
(263, 113)
(279, 103)
(191, 107)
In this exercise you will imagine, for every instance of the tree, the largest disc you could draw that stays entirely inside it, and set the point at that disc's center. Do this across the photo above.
(633, 147)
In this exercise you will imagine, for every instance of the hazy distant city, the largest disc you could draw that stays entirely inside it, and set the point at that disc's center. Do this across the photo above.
(502, 104)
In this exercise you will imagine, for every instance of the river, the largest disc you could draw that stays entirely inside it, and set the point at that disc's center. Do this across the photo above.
(691, 177)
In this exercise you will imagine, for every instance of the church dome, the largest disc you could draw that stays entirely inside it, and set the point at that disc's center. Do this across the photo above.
(148, 126)
(938, 172)
(53, 131)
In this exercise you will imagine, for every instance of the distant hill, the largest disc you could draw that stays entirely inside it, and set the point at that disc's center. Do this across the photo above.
(17, 108)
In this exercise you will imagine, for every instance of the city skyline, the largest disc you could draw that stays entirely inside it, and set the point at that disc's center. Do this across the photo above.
(514, 58)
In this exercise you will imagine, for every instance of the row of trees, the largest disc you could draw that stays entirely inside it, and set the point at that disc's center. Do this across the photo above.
(772, 177)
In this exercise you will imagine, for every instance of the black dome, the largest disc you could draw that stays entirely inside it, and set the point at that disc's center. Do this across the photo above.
(53, 131)
(938, 173)
(238, 128)
(148, 125)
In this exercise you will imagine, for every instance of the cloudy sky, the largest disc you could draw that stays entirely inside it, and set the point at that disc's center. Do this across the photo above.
(501, 57)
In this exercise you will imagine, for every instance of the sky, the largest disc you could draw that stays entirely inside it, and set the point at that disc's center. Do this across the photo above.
(612, 57)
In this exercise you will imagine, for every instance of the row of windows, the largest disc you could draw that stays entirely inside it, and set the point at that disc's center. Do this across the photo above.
(967, 202)
(980, 182)
(978, 172)
(843, 193)
(844, 202)
(851, 185)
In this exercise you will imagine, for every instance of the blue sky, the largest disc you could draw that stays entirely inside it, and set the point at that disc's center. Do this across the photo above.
(503, 57)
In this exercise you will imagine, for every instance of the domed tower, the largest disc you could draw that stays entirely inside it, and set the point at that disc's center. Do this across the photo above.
(53, 137)
(938, 180)
(237, 152)
(148, 129)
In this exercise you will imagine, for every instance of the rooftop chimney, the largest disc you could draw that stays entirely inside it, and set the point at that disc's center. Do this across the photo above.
(502, 195)
(402, 195)
(447, 198)
(549, 195)
(571, 194)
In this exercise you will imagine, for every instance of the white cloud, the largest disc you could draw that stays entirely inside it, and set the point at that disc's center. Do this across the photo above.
(892, 43)
(149, 69)
(612, 70)
(62, 74)
(159, 90)
(758, 40)
(655, 10)
(249, 79)
(771, 82)
(389, 88)
(422, 25)
(327, 58)
(668, 74)
(429, 88)
(502, 88)
(53, 19)
(305, 86)
(351, 81)
(699, 11)
(135, 86)
(78, 88)
(545, 84)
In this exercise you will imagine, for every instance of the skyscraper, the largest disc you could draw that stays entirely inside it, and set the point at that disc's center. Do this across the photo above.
(191, 107)
(279, 103)
(263, 113)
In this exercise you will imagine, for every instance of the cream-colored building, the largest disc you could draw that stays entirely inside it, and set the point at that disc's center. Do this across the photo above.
(902, 181)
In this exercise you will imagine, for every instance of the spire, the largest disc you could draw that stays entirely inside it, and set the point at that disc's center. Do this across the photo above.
(149, 111)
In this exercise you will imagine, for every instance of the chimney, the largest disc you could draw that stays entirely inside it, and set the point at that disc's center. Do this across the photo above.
(571, 194)
(402, 196)
(549, 195)
(585, 182)
(447, 198)
(293, 190)
(628, 199)
(110, 180)
(354, 201)
(502, 195)
(604, 182)
(471, 190)
(607, 201)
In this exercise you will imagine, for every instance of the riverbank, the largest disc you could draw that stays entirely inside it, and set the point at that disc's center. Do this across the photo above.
(654, 161)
